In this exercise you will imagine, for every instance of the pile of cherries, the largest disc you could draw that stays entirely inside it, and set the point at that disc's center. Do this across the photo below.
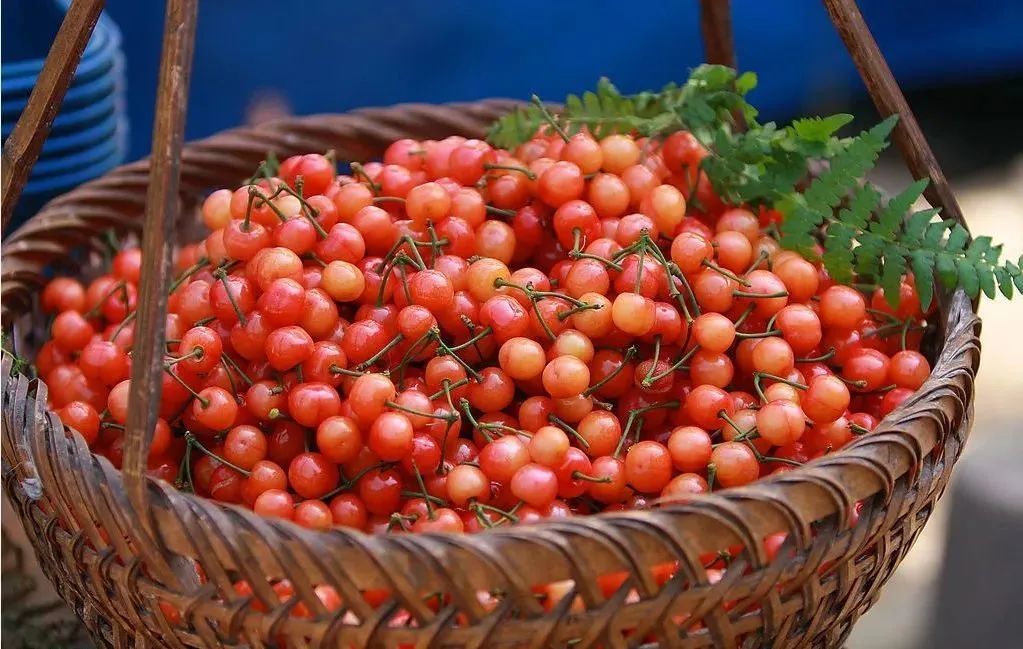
(461, 337)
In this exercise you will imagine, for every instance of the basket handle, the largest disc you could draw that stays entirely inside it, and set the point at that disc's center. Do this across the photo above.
(888, 98)
(22, 148)
(719, 47)
(716, 29)
(158, 239)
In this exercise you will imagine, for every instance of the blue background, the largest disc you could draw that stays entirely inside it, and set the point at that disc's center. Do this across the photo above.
(331, 55)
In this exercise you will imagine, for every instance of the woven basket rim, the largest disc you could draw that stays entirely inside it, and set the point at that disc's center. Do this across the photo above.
(821, 489)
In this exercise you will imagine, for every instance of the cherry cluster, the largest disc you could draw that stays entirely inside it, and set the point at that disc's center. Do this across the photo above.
(460, 337)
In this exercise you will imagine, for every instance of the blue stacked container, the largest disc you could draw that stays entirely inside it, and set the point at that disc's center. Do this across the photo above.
(89, 136)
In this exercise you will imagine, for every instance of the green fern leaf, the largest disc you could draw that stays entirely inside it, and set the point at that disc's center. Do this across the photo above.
(957, 238)
(916, 227)
(986, 275)
(978, 249)
(862, 203)
(1004, 282)
(838, 251)
(935, 233)
(820, 129)
(868, 255)
(945, 266)
(891, 216)
(968, 279)
(891, 273)
(922, 263)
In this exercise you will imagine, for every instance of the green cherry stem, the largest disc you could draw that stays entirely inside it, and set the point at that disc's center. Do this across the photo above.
(547, 117)
(628, 356)
(818, 359)
(724, 271)
(522, 170)
(565, 426)
(191, 440)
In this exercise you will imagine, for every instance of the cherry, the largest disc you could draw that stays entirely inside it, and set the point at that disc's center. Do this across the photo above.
(312, 475)
(648, 466)
(734, 464)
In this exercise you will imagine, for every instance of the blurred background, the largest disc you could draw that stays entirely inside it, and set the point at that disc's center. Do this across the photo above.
(960, 63)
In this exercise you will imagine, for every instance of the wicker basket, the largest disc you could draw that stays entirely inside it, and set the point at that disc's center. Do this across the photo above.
(117, 546)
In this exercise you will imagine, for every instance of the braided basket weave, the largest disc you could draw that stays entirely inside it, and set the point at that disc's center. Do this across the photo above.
(117, 546)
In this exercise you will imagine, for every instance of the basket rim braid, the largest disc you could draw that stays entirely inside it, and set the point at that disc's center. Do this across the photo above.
(898, 471)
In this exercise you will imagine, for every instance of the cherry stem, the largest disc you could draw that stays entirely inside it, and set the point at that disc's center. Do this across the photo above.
(499, 212)
(313, 257)
(745, 314)
(522, 170)
(464, 403)
(275, 413)
(425, 496)
(435, 243)
(579, 475)
(565, 426)
(509, 514)
(639, 269)
(127, 319)
(634, 415)
(758, 376)
(484, 426)
(770, 333)
(394, 342)
(628, 356)
(308, 210)
(197, 352)
(857, 429)
(775, 377)
(761, 258)
(413, 349)
(188, 272)
(234, 365)
(575, 254)
(672, 270)
(532, 293)
(360, 171)
(221, 275)
(783, 460)
(724, 271)
(723, 414)
(471, 326)
(450, 417)
(564, 315)
(472, 341)
(337, 369)
(891, 318)
(543, 323)
(547, 117)
(647, 381)
(817, 359)
(119, 286)
(677, 365)
(348, 483)
(859, 384)
(751, 295)
(422, 485)
(191, 440)
(388, 199)
(448, 387)
(712, 472)
(185, 468)
(443, 350)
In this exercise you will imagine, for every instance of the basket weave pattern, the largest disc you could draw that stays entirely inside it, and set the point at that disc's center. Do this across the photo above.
(95, 547)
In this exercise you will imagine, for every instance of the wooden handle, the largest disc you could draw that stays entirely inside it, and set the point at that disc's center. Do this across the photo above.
(26, 141)
(158, 239)
(716, 29)
(888, 98)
